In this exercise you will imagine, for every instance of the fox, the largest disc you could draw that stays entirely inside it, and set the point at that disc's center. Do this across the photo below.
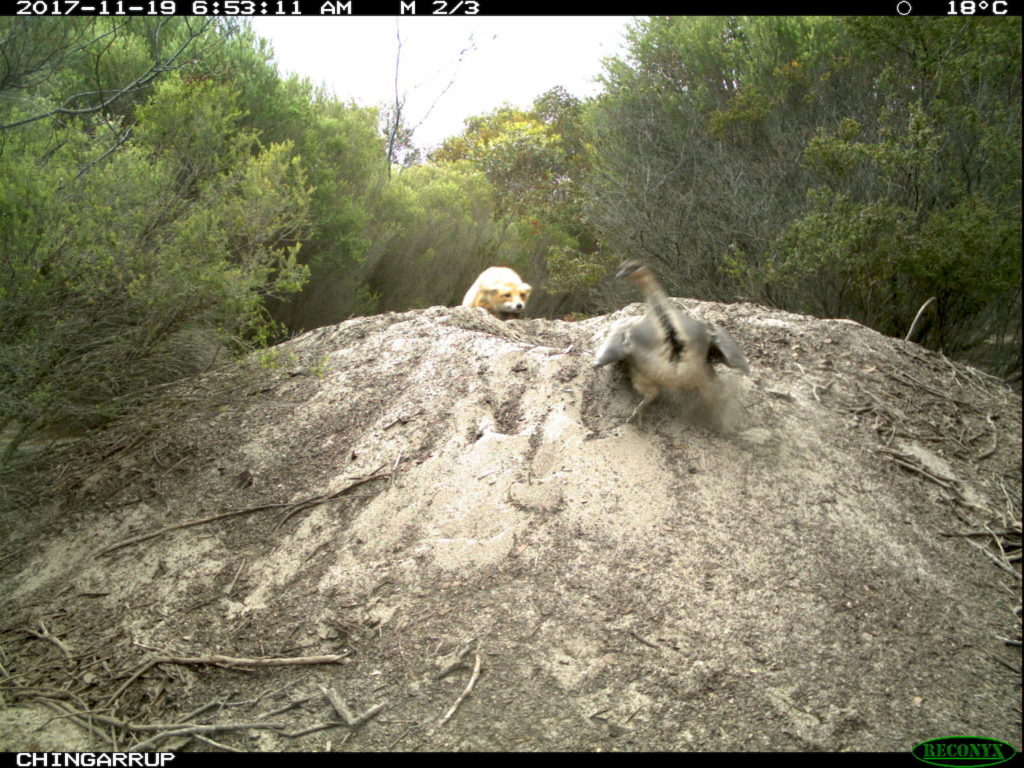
(500, 291)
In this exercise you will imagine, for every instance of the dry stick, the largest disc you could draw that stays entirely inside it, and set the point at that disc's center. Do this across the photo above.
(225, 661)
(313, 501)
(189, 524)
(202, 521)
(84, 724)
(648, 643)
(237, 574)
(45, 635)
(195, 729)
(212, 743)
(995, 559)
(465, 693)
(343, 710)
(917, 317)
(942, 482)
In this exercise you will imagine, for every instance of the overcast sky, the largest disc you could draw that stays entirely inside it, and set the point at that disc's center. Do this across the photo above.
(488, 61)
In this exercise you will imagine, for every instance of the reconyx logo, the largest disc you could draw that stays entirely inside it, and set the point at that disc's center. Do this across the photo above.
(960, 751)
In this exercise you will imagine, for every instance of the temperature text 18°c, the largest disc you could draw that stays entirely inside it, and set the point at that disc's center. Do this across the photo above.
(973, 7)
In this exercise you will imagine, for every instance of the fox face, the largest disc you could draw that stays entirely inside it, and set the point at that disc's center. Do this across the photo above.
(508, 297)
(500, 291)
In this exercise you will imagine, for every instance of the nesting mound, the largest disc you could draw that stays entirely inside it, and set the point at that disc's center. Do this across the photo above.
(433, 530)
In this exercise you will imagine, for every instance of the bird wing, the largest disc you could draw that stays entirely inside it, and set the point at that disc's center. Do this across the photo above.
(722, 348)
(616, 345)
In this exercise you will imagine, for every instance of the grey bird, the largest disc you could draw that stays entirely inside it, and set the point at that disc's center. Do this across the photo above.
(667, 349)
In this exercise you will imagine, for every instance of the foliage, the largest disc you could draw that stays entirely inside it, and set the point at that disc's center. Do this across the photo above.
(438, 237)
(846, 167)
(534, 160)
(140, 239)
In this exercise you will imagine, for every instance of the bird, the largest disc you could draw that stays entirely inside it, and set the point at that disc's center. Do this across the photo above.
(667, 349)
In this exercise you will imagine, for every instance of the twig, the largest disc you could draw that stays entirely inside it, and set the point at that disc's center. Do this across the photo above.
(74, 718)
(217, 744)
(948, 483)
(44, 634)
(343, 711)
(314, 500)
(648, 643)
(465, 693)
(917, 317)
(237, 574)
(302, 504)
(995, 559)
(263, 661)
(192, 730)
(226, 661)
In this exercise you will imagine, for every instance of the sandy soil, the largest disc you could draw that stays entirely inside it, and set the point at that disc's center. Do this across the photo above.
(436, 504)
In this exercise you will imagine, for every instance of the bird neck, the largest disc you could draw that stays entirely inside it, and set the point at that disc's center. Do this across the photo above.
(650, 286)
(666, 318)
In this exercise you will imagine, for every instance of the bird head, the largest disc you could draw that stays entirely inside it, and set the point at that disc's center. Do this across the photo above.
(633, 269)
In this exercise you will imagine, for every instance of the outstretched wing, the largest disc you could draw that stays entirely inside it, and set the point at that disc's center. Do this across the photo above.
(722, 348)
(617, 345)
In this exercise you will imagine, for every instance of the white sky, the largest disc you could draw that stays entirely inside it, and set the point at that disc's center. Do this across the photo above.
(510, 59)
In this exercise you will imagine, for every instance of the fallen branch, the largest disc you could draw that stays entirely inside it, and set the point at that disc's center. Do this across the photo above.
(948, 483)
(296, 505)
(70, 714)
(465, 693)
(265, 661)
(44, 634)
(192, 730)
(315, 500)
(343, 711)
(1009, 569)
(226, 661)
(189, 524)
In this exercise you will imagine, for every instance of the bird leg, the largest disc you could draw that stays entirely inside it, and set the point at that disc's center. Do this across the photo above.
(650, 391)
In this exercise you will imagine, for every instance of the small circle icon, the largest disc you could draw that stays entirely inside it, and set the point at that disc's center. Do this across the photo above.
(903, 8)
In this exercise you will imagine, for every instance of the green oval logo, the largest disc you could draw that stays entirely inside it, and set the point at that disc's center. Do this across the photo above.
(963, 751)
